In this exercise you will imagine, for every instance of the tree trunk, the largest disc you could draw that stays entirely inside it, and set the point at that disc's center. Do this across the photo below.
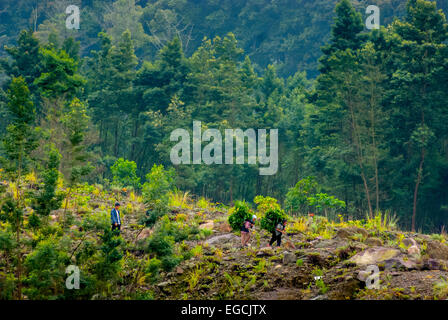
(417, 184)
(116, 139)
(357, 141)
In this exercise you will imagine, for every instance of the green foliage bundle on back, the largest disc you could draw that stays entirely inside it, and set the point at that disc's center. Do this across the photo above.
(272, 218)
(238, 214)
(265, 204)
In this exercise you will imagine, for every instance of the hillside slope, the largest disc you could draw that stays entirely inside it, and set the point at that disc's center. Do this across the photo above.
(318, 259)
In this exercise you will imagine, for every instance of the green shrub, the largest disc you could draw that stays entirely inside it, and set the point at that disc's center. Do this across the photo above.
(48, 198)
(159, 182)
(153, 268)
(178, 230)
(46, 270)
(271, 219)
(238, 214)
(124, 173)
(96, 222)
(161, 244)
(170, 262)
(108, 267)
(150, 218)
(297, 197)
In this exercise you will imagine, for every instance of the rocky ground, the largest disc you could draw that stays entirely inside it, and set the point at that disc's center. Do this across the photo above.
(329, 261)
(308, 268)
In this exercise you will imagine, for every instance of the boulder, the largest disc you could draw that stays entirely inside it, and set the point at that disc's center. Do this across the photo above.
(435, 264)
(413, 248)
(363, 275)
(374, 256)
(437, 250)
(409, 242)
(224, 227)
(347, 233)
(289, 258)
(317, 258)
(330, 244)
(179, 271)
(224, 238)
(399, 263)
(374, 242)
(207, 225)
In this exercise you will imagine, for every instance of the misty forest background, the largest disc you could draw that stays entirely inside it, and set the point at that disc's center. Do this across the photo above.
(362, 112)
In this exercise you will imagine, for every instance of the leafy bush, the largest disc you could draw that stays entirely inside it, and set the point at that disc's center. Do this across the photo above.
(124, 173)
(46, 270)
(96, 222)
(49, 199)
(271, 219)
(238, 214)
(153, 268)
(170, 262)
(159, 182)
(150, 218)
(161, 244)
(324, 202)
(297, 197)
(108, 267)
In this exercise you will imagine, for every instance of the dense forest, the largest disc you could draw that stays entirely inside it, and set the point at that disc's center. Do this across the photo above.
(370, 129)
(87, 117)
(286, 33)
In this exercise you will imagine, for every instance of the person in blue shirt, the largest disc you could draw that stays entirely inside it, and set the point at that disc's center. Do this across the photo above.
(115, 217)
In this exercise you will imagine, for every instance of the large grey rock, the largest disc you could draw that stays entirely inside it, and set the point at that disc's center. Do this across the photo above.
(289, 258)
(435, 264)
(331, 244)
(374, 242)
(399, 263)
(224, 238)
(437, 250)
(374, 256)
(347, 233)
(209, 224)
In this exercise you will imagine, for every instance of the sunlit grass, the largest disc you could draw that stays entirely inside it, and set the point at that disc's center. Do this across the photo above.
(179, 199)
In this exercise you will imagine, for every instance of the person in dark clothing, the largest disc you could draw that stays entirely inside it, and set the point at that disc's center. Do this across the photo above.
(115, 217)
(277, 233)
